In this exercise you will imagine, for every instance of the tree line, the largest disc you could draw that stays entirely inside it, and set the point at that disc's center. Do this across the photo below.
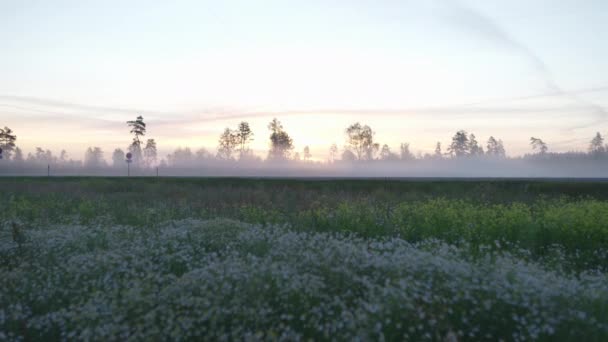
(234, 145)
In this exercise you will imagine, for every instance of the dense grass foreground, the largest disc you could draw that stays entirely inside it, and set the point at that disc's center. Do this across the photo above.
(540, 216)
(226, 280)
(246, 259)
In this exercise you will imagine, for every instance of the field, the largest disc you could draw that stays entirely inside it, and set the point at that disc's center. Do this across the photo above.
(287, 259)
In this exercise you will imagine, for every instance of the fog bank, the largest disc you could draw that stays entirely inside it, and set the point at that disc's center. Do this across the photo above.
(455, 167)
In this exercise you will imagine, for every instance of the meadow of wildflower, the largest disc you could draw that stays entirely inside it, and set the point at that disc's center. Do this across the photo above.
(280, 259)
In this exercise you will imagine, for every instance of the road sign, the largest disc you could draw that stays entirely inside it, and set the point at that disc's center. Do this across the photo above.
(129, 157)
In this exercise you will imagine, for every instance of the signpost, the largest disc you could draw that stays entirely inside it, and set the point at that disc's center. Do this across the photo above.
(129, 161)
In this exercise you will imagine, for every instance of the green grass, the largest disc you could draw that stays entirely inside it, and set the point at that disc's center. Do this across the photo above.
(162, 258)
(539, 216)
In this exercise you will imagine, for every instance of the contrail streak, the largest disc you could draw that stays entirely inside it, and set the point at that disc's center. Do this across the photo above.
(490, 29)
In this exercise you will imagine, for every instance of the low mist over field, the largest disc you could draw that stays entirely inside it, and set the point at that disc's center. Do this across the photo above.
(360, 156)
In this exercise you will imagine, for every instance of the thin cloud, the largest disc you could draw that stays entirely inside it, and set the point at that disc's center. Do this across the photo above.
(65, 110)
(50, 110)
(30, 100)
(540, 96)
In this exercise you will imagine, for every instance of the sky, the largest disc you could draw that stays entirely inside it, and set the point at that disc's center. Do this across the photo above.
(73, 72)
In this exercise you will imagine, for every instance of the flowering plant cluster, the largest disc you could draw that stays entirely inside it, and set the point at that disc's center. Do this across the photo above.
(228, 280)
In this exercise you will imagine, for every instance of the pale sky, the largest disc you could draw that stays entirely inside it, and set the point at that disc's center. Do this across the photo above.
(73, 72)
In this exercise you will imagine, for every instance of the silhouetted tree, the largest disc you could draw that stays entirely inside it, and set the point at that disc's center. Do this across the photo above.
(136, 153)
(93, 157)
(500, 149)
(438, 154)
(360, 141)
(387, 154)
(333, 153)
(281, 143)
(306, 153)
(7, 141)
(150, 153)
(118, 158)
(348, 156)
(406, 154)
(18, 157)
(596, 146)
(63, 156)
(495, 148)
(244, 136)
(227, 143)
(41, 156)
(296, 156)
(138, 129)
(474, 148)
(460, 144)
(538, 144)
(202, 155)
(180, 156)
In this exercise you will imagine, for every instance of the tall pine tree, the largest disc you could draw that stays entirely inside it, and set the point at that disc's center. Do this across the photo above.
(138, 129)
(7, 142)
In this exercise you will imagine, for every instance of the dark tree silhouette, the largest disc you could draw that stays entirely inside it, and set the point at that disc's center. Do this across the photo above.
(118, 158)
(385, 152)
(93, 157)
(348, 156)
(150, 153)
(7, 141)
(596, 146)
(202, 155)
(138, 129)
(438, 154)
(306, 153)
(18, 157)
(538, 144)
(333, 153)
(460, 144)
(281, 143)
(179, 157)
(41, 156)
(495, 148)
(405, 153)
(226, 144)
(244, 135)
(360, 140)
(63, 156)
(474, 148)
